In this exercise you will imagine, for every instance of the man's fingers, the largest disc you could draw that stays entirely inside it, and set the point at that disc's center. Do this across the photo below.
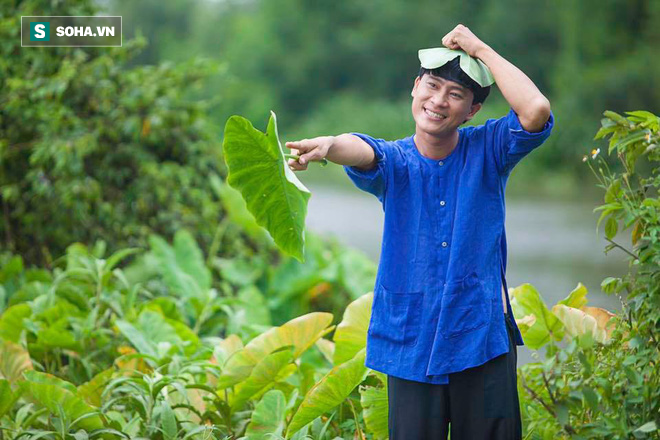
(307, 158)
(301, 146)
(296, 166)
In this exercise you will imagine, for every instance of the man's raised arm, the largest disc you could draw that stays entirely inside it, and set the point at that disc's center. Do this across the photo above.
(531, 106)
(345, 149)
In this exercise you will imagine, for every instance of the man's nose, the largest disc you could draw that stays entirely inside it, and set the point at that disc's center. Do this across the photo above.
(439, 99)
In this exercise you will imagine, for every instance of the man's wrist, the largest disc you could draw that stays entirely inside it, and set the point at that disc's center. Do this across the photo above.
(482, 52)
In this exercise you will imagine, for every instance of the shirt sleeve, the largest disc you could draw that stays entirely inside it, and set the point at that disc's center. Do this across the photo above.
(373, 181)
(512, 142)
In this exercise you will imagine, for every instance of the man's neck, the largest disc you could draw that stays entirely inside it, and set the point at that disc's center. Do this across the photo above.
(436, 147)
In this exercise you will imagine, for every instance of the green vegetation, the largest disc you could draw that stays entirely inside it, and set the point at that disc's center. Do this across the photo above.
(346, 66)
(93, 149)
(93, 350)
(605, 382)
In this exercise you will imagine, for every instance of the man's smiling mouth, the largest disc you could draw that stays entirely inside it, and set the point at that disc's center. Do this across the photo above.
(434, 115)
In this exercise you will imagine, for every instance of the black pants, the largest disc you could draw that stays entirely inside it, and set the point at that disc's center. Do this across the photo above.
(480, 403)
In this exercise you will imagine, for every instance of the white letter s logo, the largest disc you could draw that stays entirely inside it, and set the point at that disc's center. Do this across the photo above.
(39, 31)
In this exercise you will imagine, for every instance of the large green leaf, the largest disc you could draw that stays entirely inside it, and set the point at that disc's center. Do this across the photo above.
(272, 192)
(351, 334)
(49, 379)
(268, 417)
(375, 410)
(580, 322)
(227, 347)
(11, 322)
(58, 337)
(235, 206)
(546, 326)
(91, 391)
(57, 398)
(301, 332)
(14, 360)
(188, 279)
(577, 298)
(7, 397)
(263, 375)
(190, 258)
(330, 391)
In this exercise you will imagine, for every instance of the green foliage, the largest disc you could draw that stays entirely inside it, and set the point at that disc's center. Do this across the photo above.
(604, 382)
(342, 68)
(330, 391)
(136, 352)
(91, 148)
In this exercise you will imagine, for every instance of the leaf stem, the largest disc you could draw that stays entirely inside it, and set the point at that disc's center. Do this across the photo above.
(622, 248)
(355, 417)
(323, 162)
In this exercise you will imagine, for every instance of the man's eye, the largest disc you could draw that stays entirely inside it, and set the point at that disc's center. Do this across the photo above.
(456, 95)
(431, 85)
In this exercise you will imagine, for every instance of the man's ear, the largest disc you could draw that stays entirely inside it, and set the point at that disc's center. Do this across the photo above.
(414, 89)
(473, 111)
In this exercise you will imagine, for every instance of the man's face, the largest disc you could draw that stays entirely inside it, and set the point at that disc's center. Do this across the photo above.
(439, 106)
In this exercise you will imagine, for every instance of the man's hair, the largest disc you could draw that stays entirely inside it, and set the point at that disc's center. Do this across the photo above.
(452, 71)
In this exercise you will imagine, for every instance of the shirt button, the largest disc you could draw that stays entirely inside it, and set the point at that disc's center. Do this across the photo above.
(444, 244)
(442, 203)
(441, 163)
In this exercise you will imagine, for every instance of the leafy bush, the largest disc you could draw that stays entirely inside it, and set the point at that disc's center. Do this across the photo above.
(91, 148)
(585, 389)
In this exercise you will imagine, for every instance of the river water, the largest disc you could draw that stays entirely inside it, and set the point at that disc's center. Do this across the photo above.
(551, 244)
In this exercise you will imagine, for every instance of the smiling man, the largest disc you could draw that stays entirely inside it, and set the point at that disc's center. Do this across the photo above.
(441, 324)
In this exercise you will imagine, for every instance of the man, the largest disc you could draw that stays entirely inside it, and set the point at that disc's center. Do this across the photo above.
(441, 326)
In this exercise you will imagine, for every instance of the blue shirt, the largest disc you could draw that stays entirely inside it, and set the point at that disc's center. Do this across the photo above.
(437, 306)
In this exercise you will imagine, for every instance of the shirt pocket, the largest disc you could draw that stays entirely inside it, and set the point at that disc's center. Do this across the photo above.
(466, 306)
(396, 316)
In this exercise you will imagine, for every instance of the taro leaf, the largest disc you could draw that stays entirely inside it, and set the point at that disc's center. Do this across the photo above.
(547, 326)
(234, 204)
(330, 391)
(375, 410)
(182, 265)
(11, 322)
(58, 337)
(7, 397)
(327, 349)
(351, 334)
(263, 375)
(579, 322)
(228, 346)
(190, 258)
(58, 399)
(91, 391)
(272, 192)
(577, 298)
(268, 417)
(301, 332)
(49, 379)
(14, 360)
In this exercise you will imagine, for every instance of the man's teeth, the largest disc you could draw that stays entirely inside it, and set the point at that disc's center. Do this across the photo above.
(434, 114)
